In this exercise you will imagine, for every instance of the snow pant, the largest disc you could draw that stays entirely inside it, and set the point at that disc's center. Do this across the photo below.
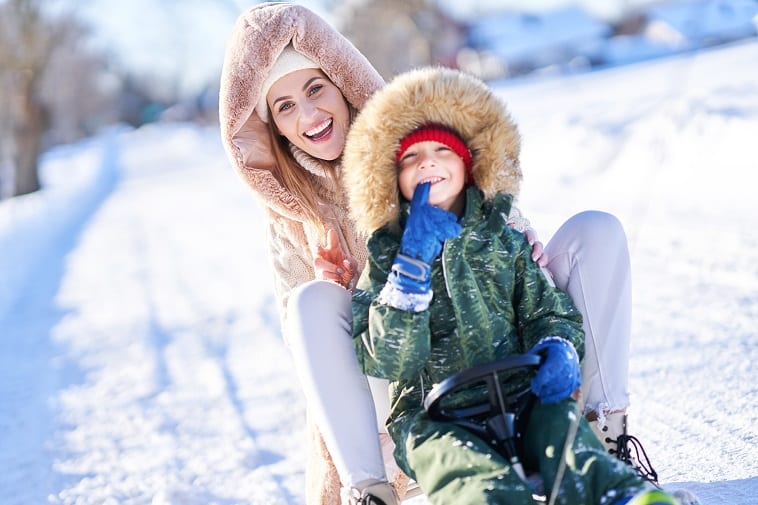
(454, 466)
(589, 259)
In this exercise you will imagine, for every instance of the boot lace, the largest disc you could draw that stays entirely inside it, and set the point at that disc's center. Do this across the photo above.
(356, 498)
(629, 450)
(368, 500)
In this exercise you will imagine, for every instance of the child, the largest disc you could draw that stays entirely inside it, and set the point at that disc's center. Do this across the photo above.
(430, 165)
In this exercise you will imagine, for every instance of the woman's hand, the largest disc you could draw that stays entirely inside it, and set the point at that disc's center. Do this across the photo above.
(331, 264)
(539, 255)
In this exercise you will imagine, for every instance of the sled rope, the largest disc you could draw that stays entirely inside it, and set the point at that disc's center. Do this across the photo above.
(570, 437)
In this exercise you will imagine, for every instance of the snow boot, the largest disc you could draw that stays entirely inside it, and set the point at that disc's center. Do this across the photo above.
(650, 497)
(614, 436)
(617, 441)
(371, 492)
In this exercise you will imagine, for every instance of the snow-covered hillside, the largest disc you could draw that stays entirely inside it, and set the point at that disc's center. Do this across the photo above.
(140, 355)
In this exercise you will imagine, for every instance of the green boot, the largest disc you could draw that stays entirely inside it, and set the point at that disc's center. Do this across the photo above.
(651, 497)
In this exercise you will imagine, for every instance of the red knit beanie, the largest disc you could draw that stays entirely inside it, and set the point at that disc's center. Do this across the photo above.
(443, 135)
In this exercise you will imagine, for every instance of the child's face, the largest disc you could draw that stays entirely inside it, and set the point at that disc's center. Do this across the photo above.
(311, 112)
(435, 162)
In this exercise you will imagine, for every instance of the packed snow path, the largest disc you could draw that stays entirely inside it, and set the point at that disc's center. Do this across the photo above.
(142, 362)
(140, 354)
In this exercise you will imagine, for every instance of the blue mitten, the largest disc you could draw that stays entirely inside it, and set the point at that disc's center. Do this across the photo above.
(427, 228)
(559, 374)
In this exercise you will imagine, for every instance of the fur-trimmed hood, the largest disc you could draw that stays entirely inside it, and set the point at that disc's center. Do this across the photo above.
(255, 43)
(412, 99)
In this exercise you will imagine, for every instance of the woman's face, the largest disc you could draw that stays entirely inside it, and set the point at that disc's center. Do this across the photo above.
(437, 163)
(311, 112)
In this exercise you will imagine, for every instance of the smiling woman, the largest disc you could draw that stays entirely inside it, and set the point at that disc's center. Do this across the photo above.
(290, 87)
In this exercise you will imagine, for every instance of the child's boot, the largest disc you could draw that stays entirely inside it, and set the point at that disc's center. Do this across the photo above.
(650, 497)
(371, 492)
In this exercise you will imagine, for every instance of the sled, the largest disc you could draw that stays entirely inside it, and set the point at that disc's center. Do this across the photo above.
(498, 420)
(495, 420)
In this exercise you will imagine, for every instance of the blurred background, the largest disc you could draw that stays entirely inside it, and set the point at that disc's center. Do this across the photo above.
(69, 69)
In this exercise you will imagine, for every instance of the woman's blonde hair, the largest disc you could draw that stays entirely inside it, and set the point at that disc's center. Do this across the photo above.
(298, 181)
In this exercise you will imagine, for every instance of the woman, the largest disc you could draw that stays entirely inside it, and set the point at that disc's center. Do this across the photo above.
(303, 202)
(286, 145)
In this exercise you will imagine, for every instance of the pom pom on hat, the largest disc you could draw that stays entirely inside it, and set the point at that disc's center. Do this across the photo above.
(288, 61)
(443, 135)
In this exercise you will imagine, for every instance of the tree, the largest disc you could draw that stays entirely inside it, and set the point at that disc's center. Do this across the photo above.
(78, 89)
(25, 47)
(397, 35)
(31, 42)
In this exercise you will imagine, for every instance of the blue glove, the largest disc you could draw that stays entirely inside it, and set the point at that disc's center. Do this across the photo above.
(408, 285)
(559, 374)
(426, 230)
(427, 227)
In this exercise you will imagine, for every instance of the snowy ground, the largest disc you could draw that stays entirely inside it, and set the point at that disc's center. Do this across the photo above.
(140, 355)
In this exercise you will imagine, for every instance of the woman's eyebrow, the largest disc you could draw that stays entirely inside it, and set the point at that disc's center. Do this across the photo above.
(309, 81)
(280, 99)
(305, 86)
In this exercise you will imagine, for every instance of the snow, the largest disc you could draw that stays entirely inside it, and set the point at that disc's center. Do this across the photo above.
(540, 40)
(141, 360)
(701, 21)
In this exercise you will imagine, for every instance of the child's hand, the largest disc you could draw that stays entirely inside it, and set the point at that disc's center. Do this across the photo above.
(559, 375)
(427, 227)
(330, 263)
(409, 283)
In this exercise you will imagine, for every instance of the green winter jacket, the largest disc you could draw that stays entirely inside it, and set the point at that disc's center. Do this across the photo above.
(490, 301)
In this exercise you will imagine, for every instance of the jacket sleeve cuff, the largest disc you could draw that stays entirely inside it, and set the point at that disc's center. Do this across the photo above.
(517, 221)
(395, 297)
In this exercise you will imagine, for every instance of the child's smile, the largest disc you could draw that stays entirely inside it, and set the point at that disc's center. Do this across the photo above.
(434, 162)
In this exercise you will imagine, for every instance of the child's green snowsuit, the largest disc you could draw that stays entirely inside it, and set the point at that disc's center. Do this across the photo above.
(490, 301)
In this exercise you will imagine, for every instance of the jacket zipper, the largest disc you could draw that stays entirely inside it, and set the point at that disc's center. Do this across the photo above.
(447, 288)
(444, 272)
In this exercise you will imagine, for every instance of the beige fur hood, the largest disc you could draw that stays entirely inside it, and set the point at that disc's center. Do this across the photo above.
(256, 41)
(426, 95)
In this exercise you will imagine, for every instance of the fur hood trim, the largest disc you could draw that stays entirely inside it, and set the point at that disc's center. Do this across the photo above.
(412, 99)
(258, 37)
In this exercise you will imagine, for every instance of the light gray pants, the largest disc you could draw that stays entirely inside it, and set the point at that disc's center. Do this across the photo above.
(589, 259)
(319, 331)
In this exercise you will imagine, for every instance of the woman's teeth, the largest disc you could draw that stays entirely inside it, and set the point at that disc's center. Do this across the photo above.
(319, 129)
